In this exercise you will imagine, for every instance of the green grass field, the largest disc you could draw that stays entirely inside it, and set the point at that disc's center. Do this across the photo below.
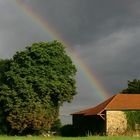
(63, 138)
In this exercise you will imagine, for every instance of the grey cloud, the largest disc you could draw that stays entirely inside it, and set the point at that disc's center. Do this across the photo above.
(81, 21)
(115, 58)
(17, 30)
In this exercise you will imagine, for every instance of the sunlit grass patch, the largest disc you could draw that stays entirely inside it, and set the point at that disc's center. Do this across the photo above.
(68, 138)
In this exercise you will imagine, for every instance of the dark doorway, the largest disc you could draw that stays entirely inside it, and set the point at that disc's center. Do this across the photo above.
(88, 125)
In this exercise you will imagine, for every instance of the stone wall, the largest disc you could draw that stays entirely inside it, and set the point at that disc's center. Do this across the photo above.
(116, 123)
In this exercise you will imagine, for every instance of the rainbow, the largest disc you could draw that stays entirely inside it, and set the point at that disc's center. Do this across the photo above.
(44, 25)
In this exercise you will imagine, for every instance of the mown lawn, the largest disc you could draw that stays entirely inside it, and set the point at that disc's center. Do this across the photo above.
(70, 138)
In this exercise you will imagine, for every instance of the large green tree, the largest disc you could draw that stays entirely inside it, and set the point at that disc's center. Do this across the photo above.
(34, 84)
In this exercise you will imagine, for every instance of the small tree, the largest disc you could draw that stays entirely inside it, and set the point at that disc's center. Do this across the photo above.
(34, 84)
(133, 87)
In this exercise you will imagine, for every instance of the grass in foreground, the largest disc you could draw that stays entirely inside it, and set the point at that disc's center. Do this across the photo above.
(69, 138)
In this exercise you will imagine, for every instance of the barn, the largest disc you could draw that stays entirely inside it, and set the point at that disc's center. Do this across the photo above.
(106, 118)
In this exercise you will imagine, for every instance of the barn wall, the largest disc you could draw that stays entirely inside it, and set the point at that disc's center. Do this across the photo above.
(116, 122)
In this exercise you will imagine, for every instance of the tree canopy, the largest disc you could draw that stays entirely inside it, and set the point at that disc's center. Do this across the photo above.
(33, 85)
(133, 87)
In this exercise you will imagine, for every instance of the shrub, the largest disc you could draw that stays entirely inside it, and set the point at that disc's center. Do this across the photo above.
(56, 126)
(133, 118)
(67, 131)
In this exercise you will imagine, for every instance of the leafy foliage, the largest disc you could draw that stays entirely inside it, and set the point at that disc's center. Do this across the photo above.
(55, 128)
(133, 118)
(34, 84)
(133, 87)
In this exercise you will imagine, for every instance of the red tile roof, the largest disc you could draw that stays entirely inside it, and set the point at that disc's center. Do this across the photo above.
(116, 102)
